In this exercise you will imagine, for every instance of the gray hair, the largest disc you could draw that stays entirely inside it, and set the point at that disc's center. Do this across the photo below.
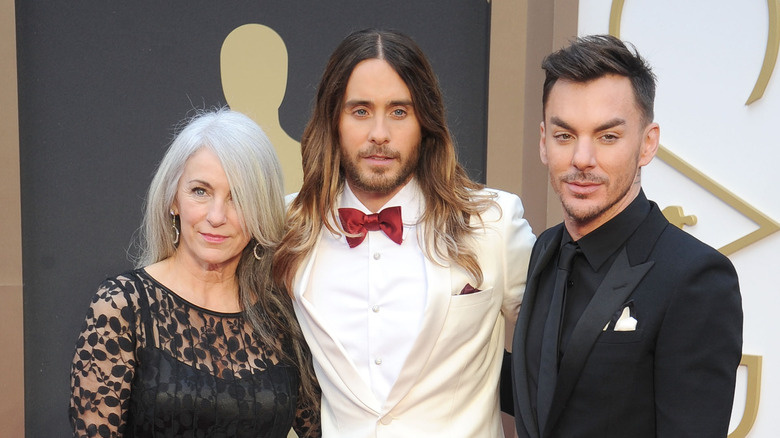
(255, 177)
(252, 170)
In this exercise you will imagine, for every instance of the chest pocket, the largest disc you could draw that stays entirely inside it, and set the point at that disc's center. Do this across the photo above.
(467, 316)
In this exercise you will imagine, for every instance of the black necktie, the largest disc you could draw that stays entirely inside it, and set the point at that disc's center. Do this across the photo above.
(548, 364)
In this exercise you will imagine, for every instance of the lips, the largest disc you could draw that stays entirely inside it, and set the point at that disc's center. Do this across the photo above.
(213, 238)
(582, 188)
(378, 160)
(379, 154)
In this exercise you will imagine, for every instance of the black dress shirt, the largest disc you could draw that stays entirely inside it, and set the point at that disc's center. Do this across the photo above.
(599, 249)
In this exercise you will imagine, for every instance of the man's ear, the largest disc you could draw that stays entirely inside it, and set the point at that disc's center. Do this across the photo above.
(650, 140)
(542, 144)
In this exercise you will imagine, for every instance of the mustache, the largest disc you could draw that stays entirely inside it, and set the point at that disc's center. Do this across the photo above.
(381, 150)
(583, 177)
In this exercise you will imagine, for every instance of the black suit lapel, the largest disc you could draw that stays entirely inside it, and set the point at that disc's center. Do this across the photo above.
(544, 250)
(620, 281)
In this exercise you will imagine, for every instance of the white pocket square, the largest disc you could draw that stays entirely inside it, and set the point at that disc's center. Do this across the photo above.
(625, 323)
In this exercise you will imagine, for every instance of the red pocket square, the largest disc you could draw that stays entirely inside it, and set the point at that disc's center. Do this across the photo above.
(469, 289)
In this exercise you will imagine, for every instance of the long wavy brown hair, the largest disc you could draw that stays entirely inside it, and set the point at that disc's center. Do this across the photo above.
(451, 198)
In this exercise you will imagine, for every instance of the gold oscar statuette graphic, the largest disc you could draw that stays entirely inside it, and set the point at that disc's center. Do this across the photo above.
(253, 64)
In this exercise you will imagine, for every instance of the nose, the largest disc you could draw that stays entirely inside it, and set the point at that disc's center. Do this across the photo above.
(379, 133)
(217, 213)
(584, 156)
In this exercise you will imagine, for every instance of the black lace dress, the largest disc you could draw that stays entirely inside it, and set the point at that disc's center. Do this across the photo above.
(150, 364)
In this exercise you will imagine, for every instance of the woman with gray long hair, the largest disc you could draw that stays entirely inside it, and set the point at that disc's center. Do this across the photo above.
(198, 341)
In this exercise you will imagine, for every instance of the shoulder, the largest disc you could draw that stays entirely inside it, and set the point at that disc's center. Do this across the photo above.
(499, 196)
(501, 204)
(690, 271)
(546, 238)
(503, 216)
(677, 245)
(551, 233)
(120, 292)
(288, 199)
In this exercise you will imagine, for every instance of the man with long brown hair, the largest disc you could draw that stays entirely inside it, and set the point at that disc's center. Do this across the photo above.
(400, 266)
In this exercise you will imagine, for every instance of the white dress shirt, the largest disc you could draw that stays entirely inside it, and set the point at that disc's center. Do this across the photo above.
(372, 297)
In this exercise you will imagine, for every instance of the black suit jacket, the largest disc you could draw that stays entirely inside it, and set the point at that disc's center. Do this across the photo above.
(674, 375)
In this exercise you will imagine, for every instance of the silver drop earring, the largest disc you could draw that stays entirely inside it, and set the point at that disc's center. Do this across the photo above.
(175, 229)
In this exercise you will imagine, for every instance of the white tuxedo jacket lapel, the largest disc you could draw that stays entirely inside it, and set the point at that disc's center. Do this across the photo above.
(338, 364)
(437, 304)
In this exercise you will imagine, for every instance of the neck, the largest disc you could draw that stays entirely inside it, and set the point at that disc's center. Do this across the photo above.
(211, 287)
(579, 229)
(374, 201)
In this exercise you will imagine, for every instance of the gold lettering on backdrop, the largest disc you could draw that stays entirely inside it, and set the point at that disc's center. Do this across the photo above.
(253, 64)
(770, 57)
(772, 43)
(766, 225)
(753, 365)
(675, 215)
(615, 14)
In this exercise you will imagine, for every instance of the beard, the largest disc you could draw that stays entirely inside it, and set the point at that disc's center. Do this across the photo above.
(379, 180)
(581, 214)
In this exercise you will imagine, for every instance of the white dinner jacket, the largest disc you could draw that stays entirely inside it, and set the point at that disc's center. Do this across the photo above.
(448, 386)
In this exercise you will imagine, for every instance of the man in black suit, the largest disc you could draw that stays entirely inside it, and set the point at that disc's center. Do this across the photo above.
(643, 335)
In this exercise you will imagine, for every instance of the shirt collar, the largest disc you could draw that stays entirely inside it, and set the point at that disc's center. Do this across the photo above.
(598, 245)
(409, 198)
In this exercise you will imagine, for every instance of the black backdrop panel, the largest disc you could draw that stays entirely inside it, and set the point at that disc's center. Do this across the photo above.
(101, 86)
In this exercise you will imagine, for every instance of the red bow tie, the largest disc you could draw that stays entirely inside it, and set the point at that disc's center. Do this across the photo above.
(356, 222)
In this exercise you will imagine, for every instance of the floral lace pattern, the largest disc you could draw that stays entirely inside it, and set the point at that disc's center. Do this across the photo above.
(150, 364)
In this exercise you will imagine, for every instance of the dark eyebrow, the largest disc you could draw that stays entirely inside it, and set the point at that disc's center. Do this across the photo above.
(558, 122)
(358, 102)
(609, 124)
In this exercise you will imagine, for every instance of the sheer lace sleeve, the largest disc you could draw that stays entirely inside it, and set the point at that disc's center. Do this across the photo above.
(103, 365)
(307, 421)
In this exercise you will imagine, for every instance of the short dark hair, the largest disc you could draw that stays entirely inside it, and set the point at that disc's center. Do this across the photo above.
(594, 56)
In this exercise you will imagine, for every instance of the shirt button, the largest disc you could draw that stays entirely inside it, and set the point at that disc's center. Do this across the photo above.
(378, 361)
(375, 309)
(377, 256)
(386, 420)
